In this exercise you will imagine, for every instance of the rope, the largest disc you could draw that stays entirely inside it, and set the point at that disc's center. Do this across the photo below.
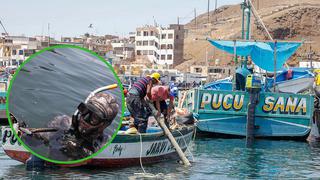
(185, 142)
(144, 174)
(141, 165)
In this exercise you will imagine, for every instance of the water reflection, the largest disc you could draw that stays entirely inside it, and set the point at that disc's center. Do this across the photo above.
(214, 159)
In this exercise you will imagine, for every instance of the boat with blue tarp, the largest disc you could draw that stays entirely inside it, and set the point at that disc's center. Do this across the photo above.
(224, 108)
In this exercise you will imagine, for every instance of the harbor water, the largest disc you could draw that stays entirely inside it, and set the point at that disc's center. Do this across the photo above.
(213, 159)
(55, 82)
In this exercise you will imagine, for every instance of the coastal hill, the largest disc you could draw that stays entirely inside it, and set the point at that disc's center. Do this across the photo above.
(285, 20)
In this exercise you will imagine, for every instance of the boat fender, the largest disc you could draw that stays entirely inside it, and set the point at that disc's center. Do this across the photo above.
(34, 163)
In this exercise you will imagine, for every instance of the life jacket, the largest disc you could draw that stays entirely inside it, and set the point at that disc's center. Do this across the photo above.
(141, 85)
(289, 74)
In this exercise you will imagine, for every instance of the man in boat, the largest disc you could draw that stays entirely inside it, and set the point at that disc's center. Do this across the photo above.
(136, 100)
(159, 95)
(83, 134)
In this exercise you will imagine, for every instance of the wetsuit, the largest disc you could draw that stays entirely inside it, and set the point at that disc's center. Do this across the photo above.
(137, 105)
(64, 144)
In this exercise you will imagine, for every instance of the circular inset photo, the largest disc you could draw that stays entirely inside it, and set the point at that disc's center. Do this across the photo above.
(65, 104)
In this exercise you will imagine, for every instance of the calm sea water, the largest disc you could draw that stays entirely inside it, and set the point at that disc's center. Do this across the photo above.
(213, 159)
(54, 83)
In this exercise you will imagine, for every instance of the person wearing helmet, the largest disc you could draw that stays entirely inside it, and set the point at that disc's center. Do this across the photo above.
(83, 134)
(159, 95)
(136, 102)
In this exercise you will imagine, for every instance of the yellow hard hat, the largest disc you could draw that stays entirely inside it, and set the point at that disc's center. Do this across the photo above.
(317, 71)
(156, 76)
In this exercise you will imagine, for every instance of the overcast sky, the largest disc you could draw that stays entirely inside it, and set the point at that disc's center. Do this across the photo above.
(117, 17)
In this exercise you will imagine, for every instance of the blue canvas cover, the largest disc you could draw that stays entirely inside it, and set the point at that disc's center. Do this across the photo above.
(262, 53)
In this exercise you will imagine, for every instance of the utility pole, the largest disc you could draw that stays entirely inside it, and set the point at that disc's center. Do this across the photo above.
(216, 5)
(208, 11)
(48, 34)
(195, 18)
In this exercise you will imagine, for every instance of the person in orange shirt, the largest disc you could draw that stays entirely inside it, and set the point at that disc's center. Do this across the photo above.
(159, 95)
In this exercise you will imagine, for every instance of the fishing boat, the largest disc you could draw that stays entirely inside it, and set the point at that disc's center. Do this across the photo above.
(125, 150)
(221, 84)
(292, 80)
(275, 114)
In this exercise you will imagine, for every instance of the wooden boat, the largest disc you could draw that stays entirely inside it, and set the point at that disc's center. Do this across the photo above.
(125, 150)
(276, 114)
(280, 115)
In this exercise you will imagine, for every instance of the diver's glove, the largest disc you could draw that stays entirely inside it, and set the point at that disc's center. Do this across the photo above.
(72, 147)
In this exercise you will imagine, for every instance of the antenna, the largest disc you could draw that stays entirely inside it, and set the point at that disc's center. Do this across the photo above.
(4, 28)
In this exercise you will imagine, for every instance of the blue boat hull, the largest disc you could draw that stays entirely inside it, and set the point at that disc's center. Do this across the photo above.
(275, 115)
(236, 125)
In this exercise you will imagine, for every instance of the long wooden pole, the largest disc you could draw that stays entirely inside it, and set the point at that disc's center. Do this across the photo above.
(170, 136)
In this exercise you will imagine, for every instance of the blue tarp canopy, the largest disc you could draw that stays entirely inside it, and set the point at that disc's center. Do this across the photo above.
(262, 53)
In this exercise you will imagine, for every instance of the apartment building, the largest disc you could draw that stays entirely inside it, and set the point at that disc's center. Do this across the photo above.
(159, 45)
(16, 49)
(123, 49)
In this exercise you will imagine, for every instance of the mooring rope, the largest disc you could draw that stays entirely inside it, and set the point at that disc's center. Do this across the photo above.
(141, 165)
(185, 142)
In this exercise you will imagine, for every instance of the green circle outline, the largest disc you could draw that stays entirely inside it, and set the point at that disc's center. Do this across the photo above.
(27, 147)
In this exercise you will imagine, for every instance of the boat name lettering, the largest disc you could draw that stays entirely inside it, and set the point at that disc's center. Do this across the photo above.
(117, 149)
(8, 135)
(164, 146)
(288, 105)
(157, 148)
(226, 101)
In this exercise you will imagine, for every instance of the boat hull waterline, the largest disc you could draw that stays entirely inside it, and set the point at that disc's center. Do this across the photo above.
(122, 152)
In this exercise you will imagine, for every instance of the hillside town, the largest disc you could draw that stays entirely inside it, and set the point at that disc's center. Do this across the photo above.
(149, 49)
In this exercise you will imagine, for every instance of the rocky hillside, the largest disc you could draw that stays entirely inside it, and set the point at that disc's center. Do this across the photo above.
(285, 20)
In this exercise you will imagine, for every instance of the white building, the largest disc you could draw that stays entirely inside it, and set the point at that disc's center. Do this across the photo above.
(156, 44)
(23, 47)
(307, 64)
(123, 49)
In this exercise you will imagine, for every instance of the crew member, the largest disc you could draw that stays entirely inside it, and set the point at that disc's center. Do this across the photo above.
(159, 96)
(136, 100)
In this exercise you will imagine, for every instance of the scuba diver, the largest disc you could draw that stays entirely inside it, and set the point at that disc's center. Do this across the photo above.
(136, 102)
(83, 134)
(159, 95)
